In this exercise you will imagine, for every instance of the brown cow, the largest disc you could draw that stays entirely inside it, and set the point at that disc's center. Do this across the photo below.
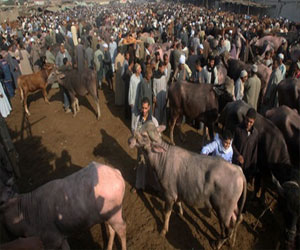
(34, 82)
(198, 102)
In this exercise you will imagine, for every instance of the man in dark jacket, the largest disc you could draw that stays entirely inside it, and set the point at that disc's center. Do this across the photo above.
(245, 145)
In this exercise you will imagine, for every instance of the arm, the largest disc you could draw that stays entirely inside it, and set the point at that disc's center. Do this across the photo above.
(131, 92)
(209, 148)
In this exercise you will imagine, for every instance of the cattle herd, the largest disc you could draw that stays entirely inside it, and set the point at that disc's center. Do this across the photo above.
(50, 214)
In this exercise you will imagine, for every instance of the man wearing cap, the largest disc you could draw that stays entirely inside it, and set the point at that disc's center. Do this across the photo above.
(271, 98)
(252, 88)
(282, 67)
(113, 52)
(239, 85)
(227, 43)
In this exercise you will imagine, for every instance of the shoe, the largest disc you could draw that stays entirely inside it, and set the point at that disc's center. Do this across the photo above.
(68, 110)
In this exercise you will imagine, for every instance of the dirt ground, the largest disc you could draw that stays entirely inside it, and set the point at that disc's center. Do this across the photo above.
(52, 144)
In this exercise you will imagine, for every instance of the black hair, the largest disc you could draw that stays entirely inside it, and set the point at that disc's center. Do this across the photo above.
(227, 135)
(65, 60)
(98, 46)
(145, 100)
(251, 113)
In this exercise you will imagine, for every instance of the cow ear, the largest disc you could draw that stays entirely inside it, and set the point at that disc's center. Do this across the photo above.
(161, 128)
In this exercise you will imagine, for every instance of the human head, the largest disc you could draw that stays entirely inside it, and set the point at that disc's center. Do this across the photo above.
(137, 69)
(254, 68)
(65, 60)
(226, 138)
(62, 48)
(276, 63)
(211, 61)
(161, 67)
(244, 75)
(145, 106)
(157, 56)
(148, 74)
(166, 58)
(250, 119)
(281, 57)
(127, 55)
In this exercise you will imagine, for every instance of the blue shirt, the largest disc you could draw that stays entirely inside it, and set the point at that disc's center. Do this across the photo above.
(216, 148)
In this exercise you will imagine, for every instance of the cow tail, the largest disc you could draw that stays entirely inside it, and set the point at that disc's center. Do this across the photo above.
(242, 199)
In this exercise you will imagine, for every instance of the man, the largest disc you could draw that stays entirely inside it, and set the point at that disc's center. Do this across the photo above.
(113, 52)
(146, 89)
(50, 58)
(252, 88)
(160, 94)
(271, 98)
(65, 68)
(62, 53)
(168, 68)
(282, 67)
(89, 55)
(143, 170)
(133, 97)
(107, 66)
(98, 61)
(35, 54)
(245, 145)
(239, 85)
(59, 60)
(210, 73)
(79, 56)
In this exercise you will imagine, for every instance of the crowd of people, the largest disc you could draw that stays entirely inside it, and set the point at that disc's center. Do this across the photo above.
(139, 50)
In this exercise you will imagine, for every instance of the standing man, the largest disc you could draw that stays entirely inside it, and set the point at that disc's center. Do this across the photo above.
(133, 97)
(89, 55)
(98, 61)
(282, 67)
(35, 54)
(144, 172)
(245, 145)
(252, 88)
(240, 85)
(60, 61)
(209, 74)
(271, 99)
(168, 68)
(160, 94)
(79, 56)
(113, 52)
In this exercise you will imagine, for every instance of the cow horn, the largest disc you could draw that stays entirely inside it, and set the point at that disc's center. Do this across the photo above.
(278, 185)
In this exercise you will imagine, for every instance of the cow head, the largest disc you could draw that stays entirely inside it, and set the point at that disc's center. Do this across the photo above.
(48, 67)
(55, 76)
(148, 137)
(289, 200)
(6, 190)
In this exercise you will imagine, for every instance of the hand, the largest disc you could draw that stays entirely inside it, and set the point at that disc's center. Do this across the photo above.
(241, 159)
(154, 99)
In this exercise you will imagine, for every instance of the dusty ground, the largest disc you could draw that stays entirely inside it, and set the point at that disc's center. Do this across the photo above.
(52, 144)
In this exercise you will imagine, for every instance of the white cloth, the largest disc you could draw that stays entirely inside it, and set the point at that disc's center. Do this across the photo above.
(5, 107)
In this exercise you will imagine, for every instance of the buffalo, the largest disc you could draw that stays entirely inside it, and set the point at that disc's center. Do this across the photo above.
(194, 179)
